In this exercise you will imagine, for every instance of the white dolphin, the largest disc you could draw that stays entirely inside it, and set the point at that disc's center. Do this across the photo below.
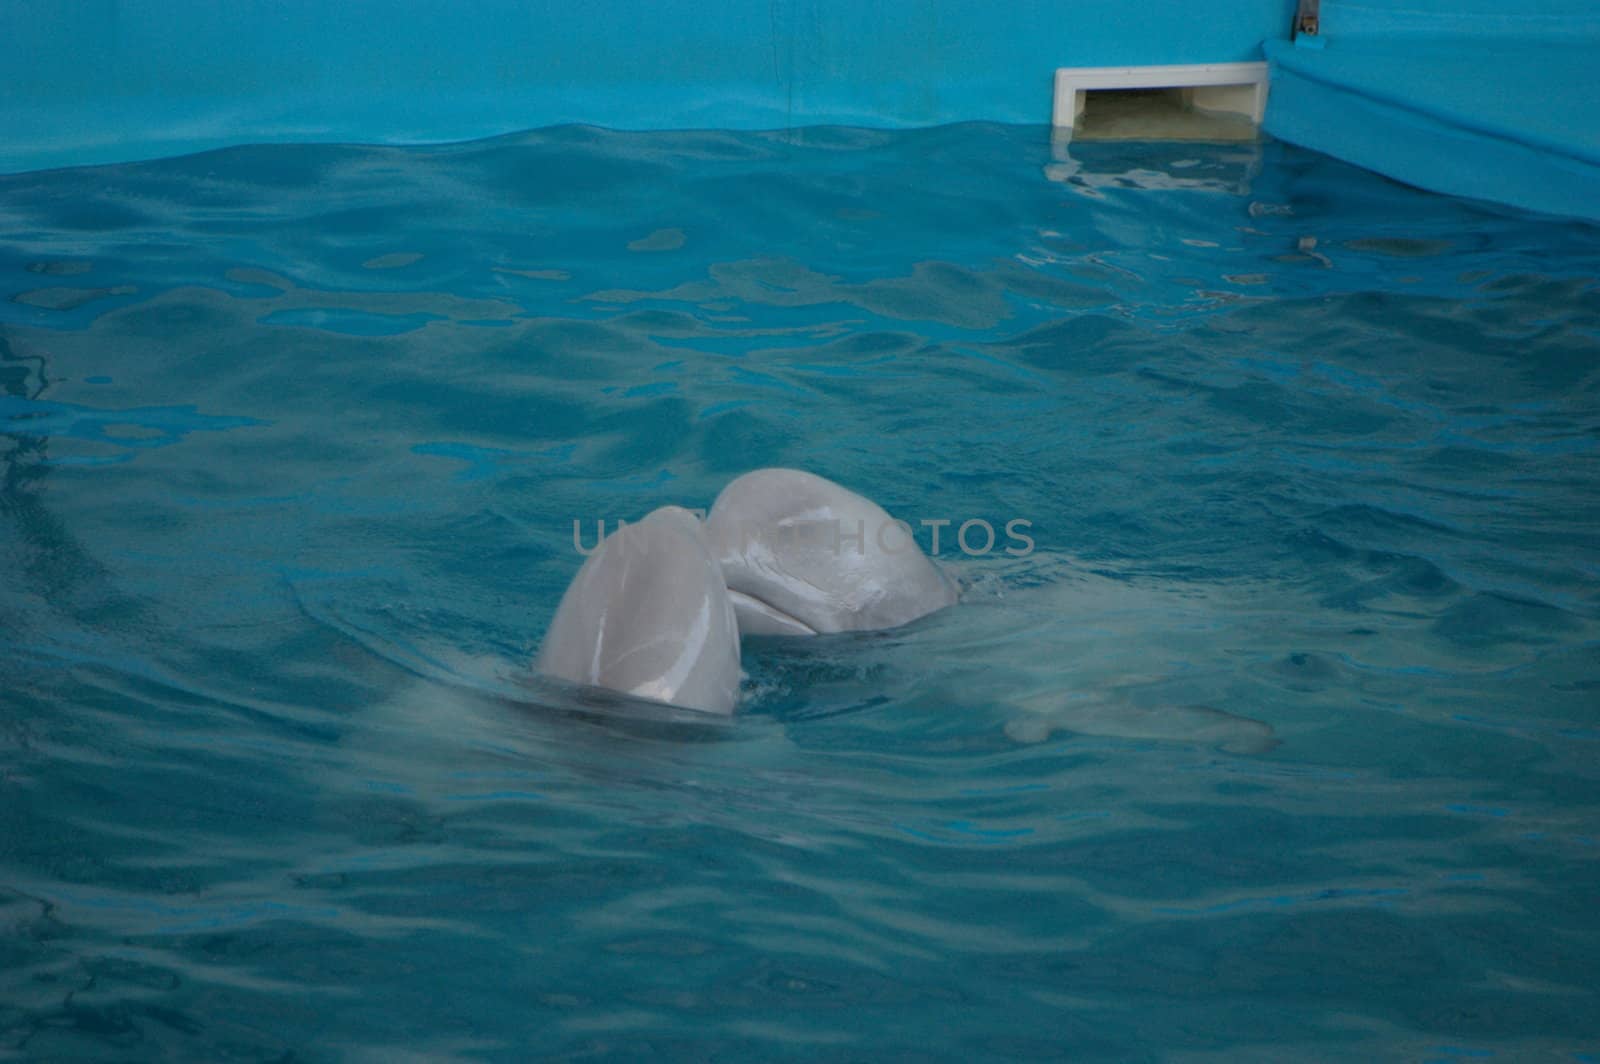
(802, 555)
(649, 615)
(657, 612)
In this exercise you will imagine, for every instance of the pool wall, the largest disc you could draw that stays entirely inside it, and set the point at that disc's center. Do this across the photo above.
(1492, 99)
(110, 80)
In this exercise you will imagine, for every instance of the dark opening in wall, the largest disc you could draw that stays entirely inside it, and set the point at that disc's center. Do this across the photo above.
(1212, 112)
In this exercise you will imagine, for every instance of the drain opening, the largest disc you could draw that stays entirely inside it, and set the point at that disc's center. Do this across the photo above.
(1215, 102)
(1157, 114)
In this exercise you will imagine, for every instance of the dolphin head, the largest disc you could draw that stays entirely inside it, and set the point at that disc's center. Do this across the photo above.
(649, 615)
(802, 555)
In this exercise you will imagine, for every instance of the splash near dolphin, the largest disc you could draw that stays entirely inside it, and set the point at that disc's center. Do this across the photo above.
(657, 611)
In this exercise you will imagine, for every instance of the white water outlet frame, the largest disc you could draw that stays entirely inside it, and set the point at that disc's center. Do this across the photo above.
(1231, 88)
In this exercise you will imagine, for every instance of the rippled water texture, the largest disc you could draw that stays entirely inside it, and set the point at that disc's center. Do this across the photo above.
(1282, 743)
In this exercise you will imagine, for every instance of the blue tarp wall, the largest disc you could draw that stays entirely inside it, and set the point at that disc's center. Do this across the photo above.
(102, 80)
(1494, 99)
(1487, 98)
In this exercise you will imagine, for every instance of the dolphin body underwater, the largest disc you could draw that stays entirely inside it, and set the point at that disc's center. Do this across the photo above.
(657, 611)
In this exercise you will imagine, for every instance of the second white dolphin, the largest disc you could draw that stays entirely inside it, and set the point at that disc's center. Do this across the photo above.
(802, 555)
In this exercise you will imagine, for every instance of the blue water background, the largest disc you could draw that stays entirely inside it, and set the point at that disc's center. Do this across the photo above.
(292, 440)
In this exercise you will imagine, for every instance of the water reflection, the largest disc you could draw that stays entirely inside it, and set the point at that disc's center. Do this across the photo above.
(1090, 167)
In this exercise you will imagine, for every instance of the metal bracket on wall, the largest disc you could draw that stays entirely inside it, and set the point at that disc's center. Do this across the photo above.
(1307, 18)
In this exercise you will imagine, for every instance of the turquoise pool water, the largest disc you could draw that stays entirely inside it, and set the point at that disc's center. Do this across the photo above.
(292, 440)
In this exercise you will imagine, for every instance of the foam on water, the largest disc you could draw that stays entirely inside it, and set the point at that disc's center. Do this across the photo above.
(1281, 743)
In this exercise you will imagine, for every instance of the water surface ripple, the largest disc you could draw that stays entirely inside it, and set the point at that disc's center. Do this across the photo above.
(1281, 744)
